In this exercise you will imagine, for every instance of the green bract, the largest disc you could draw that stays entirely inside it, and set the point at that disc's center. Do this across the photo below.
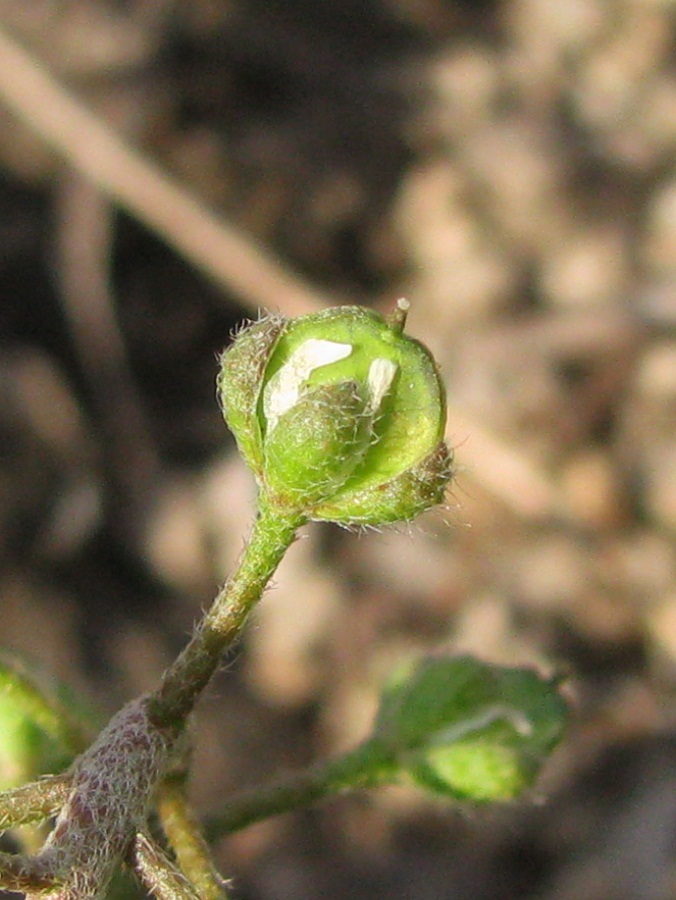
(35, 736)
(339, 415)
(458, 726)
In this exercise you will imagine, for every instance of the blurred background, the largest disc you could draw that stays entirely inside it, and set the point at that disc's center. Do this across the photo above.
(507, 165)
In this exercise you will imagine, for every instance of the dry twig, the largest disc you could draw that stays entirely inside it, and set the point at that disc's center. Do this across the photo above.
(221, 251)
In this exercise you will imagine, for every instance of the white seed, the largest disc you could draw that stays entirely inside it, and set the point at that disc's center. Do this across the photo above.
(380, 377)
(283, 389)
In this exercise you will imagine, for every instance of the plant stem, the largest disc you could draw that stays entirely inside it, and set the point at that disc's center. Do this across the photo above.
(363, 767)
(273, 532)
(33, 802)
(157, 873)
(183, 833)
(24, 874)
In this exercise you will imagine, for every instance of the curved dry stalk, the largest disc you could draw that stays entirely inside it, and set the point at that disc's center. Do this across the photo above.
(226, 255)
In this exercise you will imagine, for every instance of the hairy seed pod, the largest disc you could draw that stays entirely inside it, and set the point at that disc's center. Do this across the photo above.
(339, 414)
(468, 729)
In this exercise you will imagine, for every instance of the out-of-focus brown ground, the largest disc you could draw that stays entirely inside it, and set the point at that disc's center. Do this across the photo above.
(509, 167)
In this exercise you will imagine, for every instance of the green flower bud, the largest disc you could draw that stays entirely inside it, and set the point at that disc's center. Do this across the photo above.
(461, 727)
(339, 414)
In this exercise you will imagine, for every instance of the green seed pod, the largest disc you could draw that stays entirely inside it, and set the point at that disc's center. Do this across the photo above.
(339, 415)
(461, 727)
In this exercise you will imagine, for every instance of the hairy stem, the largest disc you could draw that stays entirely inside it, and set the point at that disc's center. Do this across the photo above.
(33, 802)
(273, 532)
(111, 786)
(361, 768)
(24, 873)
(157, 873)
